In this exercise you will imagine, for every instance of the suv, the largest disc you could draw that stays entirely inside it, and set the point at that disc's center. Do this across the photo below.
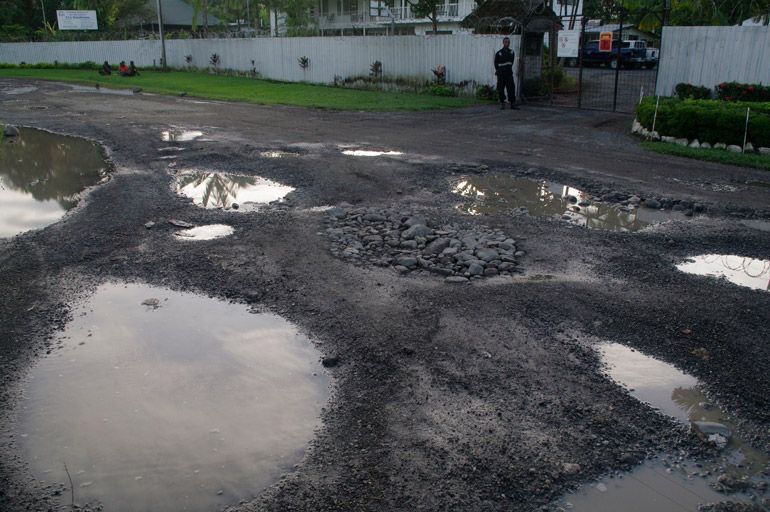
(651, 54)
(626, 54)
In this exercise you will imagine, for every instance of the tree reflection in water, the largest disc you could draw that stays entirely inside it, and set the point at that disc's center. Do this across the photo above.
(221, 190)
(744, 271)
(497, 194)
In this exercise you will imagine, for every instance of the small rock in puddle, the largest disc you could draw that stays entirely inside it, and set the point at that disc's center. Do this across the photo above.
(749, 272)
(179, 135)
(221, 190)
(208, 232)
(42, 176)
(196, 397)
(497, 194)
(406, 241)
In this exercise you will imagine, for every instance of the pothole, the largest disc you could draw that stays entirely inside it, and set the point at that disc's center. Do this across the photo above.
(760, 225)
(101, 90)
(409, 242)
(42, 176)
(208, 232)
(221, 190)
(749, 272)
(167, 401)
(13, 91)
(180, 135)
(278, 154)
(371, 152)
(499, 194)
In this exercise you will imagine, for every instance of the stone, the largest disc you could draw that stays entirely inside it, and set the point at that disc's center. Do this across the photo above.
(519, 254)
(409, 244)
(652, 204)
(706, 428)
(180, 223)
(10, 131)
(475, 269)
(330, 362)
(720, 145)
(491, 271)
(336, 212)
(705, 145)
(456, 279)
(634, 200)
(668, 139)
(407, 261)
(681, 142)
(235, 206)
(486, 254)
(401, 269)
(415, 221)
(748, 148)
(437, 246)
(415, 231)
(694, 144)
(764, 151)
(570, 468)
(732, 148)
(136, 90)
(149, 225)
(374, 217)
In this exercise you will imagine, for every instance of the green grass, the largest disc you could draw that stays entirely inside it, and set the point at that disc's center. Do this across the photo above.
(264, 92)
(711, 155)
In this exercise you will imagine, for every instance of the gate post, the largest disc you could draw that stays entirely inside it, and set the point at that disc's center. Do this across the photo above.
(580, 60)
(620, 62)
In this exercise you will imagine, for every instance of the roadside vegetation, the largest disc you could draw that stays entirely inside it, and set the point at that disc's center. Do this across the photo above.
(245, 89)
(710, 155)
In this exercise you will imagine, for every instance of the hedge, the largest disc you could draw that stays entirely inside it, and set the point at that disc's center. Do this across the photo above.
(709, 121)
(734, 91)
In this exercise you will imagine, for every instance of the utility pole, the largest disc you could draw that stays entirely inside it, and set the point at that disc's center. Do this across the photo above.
(42, 8)
(162, 38)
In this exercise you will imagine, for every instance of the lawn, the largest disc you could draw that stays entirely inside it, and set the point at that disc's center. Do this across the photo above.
(711, 155)
(264, 92)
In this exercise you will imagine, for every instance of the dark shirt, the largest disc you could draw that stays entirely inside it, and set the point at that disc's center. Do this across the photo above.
(504, 62)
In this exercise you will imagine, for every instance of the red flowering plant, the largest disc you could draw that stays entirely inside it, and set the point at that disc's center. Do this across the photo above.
(734, 91)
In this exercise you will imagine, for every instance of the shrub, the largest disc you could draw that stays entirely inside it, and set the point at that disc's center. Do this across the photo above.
(709, 121)
(558, 76)
(486, 92)
(533, 87)
(375, 70)
(696, 92)
(733, 91)
(439, 90)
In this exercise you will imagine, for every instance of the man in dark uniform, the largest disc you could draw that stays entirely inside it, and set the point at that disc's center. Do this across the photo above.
(504, 70)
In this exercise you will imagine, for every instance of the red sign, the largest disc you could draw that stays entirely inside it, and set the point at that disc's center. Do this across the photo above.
(605, 42)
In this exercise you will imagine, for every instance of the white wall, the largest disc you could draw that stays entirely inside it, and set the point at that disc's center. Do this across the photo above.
(466, 57)
(708, 56)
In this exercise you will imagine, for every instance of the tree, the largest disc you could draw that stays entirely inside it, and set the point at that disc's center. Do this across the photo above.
(427, 9)
(109, 12)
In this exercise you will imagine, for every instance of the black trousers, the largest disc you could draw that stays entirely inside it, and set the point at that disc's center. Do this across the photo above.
(505, 82)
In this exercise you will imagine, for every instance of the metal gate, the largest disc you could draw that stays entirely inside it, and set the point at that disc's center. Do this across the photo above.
(613, 80)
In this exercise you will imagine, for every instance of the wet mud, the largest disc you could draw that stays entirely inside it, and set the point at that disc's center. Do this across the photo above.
(482, 395)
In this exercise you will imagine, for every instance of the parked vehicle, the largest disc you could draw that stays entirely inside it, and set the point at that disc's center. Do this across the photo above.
(651, 54)
(625, 54)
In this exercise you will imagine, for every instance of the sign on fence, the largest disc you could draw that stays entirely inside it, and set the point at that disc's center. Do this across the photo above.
(77, 20)
(605, 42)
(569, 42)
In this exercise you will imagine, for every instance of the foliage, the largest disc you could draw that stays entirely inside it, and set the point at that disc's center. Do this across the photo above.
(486, 92)
(427, 9)
(439, 90)
(734, 91)
(215, 61)
(709, 121)
(684, 91)
(246, 89)
(375, 70)
(304, 62)
(709, 155)
(557, 73)
(109, 13)
(440, 74)
(534, 87)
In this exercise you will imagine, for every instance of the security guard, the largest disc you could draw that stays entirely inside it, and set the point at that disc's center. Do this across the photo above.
(504, 70)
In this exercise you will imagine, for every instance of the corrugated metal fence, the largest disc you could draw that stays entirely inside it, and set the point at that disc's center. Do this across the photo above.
(466, 57)
(708, 56)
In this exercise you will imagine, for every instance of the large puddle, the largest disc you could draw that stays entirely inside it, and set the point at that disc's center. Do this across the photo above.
(167, 401)
(221, 190)
(498, 194)
(750, 272)
(42, 176)
(673, 485)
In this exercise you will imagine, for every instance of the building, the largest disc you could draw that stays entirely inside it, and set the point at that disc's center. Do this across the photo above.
(630, 33)
(177, 15)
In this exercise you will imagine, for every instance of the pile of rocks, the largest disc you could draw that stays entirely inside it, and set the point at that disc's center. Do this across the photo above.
(410, 243)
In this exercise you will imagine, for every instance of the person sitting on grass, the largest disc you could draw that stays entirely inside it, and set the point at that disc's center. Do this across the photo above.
(123, 69)
(106, 69)
(132, 71)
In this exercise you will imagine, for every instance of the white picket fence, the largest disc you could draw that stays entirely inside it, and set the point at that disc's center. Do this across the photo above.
(465, 56)
(708, 56)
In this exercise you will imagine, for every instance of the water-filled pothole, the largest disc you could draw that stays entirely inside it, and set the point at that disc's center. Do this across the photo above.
(208, 232)
(750, 272)
(167, 401)
(497, 194)
(102, 90)
(278, 154)
(221, 190)
(42, 176)
(179, 135)
(370, 152)
(19, 90)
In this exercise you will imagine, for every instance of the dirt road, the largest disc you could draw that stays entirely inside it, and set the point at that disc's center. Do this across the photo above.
(447, 396)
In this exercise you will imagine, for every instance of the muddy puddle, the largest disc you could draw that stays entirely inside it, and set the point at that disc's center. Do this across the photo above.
(208, 232)
(101, 90)
(749, 272)
(42, 176)
(13, 91)
(180, 135)
(221, 190)
(167, 401)
(370, 152)
(498, 194)
(278, 154)
(672, 483)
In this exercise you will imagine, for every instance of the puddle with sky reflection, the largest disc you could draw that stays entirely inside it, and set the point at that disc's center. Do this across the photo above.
(666, 485)
(42, 176)
(179, 135)
(497, 194)
(167, 401)
(221, 190)
(749, 272)
(207, 232)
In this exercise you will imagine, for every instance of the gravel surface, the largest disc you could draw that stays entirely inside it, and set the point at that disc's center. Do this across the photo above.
(461, 382)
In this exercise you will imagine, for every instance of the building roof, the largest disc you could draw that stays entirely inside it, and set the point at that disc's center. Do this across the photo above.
(496, 16)
(609, 27)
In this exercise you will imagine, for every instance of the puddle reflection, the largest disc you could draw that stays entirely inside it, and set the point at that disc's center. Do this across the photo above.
(101, 90)
(365, 152)
(220, 190)
(208, 232)
(180, 135)
(750, 272)
(41, 177)
(496, 194)
(278, 154)
(183, 403)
